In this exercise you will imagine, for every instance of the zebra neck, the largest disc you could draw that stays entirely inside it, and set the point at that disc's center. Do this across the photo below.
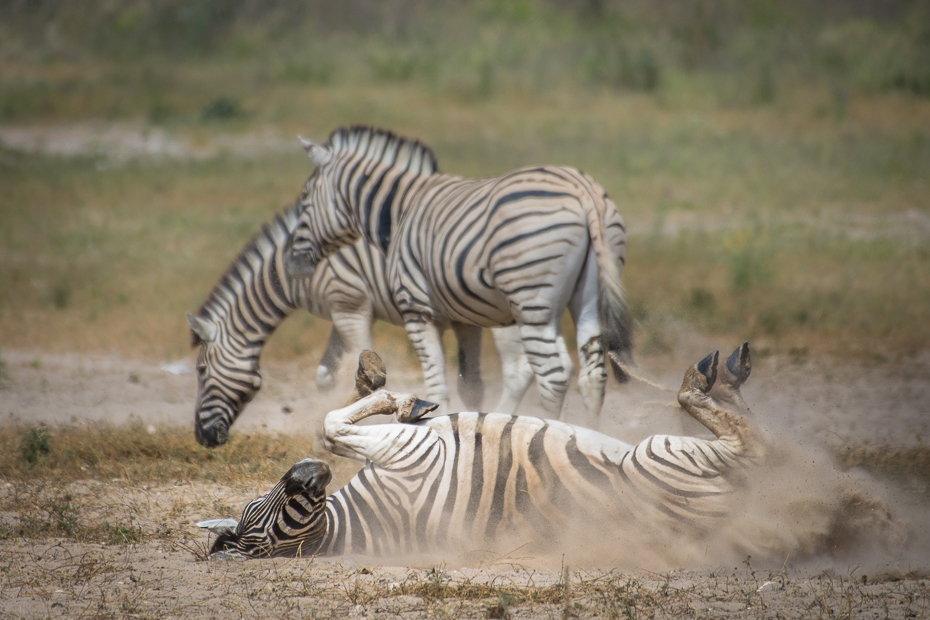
(256, 293)
(380, 197)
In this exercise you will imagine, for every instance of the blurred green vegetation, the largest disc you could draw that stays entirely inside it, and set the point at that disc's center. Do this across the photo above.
(772, 159)
(749, 51)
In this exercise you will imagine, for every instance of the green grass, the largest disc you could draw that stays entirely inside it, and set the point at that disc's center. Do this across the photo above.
(774, 177)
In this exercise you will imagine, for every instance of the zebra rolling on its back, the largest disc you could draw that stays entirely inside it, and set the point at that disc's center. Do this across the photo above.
(349, 288)
(472, 253)
(469, 480)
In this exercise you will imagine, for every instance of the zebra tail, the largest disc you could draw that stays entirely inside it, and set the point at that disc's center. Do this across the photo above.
(612, 309)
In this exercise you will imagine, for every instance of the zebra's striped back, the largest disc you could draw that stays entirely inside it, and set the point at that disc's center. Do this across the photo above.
(474, 480)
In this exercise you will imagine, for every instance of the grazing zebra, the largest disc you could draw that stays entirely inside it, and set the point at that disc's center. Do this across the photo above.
(468, 480)
(472, 253)
(256, 294)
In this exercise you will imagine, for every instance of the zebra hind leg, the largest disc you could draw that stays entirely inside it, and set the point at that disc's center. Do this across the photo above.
(695, 398)
(546, 352)
(732, 374)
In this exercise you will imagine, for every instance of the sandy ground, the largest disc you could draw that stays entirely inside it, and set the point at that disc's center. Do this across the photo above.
(814, 402)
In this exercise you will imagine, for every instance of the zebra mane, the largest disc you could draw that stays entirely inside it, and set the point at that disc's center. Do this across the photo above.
(386, 146)
(261, 247)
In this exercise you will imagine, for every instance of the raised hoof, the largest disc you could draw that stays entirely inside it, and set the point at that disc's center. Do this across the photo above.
(409, 412)
(739, 365)
(371, 374)
(708, 368)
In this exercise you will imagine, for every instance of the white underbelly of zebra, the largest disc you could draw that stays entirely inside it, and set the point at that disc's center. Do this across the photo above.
(471, 481)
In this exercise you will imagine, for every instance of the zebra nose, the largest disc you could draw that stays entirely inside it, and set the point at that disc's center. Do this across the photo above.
(212, 435)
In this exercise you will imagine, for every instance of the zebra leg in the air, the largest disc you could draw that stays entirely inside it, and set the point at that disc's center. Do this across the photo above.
(592, 376)
(735, 436)
(515, 368)
(385, 445)
(548, 357)
(426, 339)
(730, 376)
(471, 389)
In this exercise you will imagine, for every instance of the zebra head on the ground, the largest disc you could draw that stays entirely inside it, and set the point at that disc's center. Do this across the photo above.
(289, 521)
(228, 377)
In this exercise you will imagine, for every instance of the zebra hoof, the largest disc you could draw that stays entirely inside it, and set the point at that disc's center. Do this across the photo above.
(708, 369)
(371, 374)
(738, 365)
(414, 409)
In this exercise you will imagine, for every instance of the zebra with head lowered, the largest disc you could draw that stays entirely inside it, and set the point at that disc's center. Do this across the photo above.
(256, 294)
(472, 253)
(470, 480)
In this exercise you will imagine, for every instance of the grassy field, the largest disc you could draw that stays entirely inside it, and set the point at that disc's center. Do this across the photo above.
(775, 188)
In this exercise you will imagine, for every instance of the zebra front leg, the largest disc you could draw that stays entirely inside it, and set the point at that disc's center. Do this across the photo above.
(382, 444)
(326, 371)
(426, 339)
(548, 357)
(515, 368)
(471, 389)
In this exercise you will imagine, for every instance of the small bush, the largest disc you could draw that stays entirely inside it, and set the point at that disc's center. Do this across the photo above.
(221, 108)
(35, 444)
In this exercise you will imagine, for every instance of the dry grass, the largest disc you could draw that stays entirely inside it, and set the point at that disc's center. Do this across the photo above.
(98, 520)
(135, 453)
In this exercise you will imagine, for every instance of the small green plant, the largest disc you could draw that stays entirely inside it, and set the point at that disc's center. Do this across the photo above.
(747, 256)
(221, 108)
(35, 444)
(61, 295)
(63, 516)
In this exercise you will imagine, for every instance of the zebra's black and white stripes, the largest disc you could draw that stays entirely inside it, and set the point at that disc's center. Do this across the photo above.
(471, 253)
(472, 480)
(349, 288)
(252, 298)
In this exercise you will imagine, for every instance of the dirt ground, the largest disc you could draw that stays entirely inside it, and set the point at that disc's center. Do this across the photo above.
(807, 403)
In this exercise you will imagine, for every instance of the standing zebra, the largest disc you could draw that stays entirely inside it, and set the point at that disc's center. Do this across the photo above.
(469, 480)
(256, 293)
(472, 253)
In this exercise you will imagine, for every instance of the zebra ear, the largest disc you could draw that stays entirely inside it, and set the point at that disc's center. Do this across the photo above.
(202, 328)
(319, 155)
(220, 526)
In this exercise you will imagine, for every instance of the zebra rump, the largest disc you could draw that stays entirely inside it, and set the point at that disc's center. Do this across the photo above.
(476, 481)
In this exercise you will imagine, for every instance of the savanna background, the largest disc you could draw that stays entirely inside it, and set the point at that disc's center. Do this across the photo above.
(771, 160)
